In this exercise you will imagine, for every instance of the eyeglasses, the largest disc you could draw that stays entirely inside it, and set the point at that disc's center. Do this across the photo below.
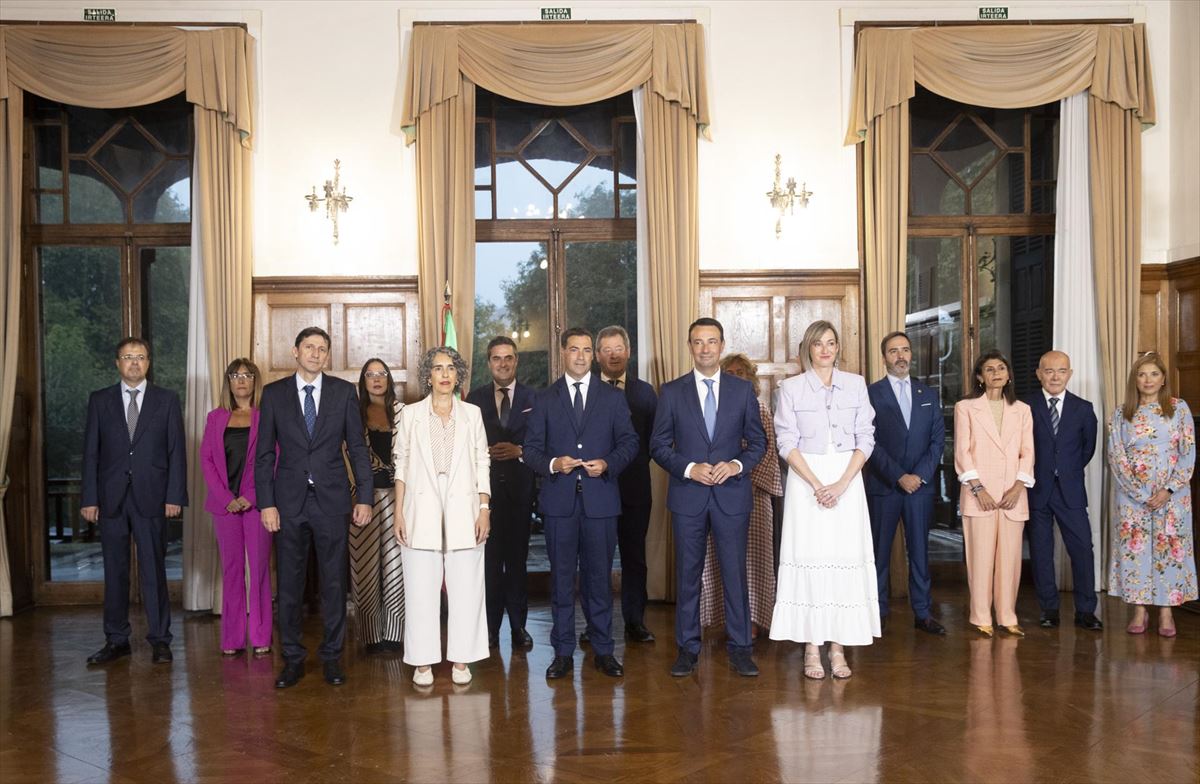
(241, 376)
(376, 374)
(132, 357)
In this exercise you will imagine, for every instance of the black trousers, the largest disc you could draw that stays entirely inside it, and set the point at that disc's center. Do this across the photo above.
(632, 526)
(506, 553)
(150, 535)
(329, 535)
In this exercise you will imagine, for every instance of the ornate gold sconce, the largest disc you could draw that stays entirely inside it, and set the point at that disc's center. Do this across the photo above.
(785, 200)
(335, 201)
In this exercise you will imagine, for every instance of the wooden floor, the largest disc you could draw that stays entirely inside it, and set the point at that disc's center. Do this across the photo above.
(1061, 705)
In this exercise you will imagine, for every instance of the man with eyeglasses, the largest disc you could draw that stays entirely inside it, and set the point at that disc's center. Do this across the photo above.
(1064, 441)
(134, 478)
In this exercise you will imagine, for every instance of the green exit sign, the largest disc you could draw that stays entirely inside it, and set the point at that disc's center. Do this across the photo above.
(993, 12)
(556, 14)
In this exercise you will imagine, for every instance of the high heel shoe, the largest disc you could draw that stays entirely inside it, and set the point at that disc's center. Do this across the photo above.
(838, 666)
(1165, 632)
(1139, 628)
(813, 669)
(986, 631)
(1015, 631)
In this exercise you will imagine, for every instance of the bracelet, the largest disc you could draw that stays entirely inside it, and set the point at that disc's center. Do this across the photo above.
(975, 489)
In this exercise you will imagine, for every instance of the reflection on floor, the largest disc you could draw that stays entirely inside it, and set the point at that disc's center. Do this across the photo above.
(82, 561)
(1060, 705)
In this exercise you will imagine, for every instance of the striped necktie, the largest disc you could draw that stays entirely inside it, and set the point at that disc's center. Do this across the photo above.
(1054, 415)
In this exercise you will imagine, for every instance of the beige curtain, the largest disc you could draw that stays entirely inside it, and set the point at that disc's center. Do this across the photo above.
(10, 299)
(114, 67)
(560, 65)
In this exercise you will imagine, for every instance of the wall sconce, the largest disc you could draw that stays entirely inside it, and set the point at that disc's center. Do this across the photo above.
(335, 201)
(786, 199)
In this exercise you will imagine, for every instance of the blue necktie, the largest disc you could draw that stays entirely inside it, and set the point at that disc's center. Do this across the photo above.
(310, 409)
(710, 409)
(905, 403)
(578, 405)
(1054, 415)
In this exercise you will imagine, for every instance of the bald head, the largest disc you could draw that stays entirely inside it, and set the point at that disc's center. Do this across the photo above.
(1054, 371)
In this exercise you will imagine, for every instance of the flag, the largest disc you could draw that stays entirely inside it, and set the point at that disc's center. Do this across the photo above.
(449, 336)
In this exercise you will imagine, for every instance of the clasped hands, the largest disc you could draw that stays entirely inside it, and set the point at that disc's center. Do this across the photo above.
(710, 475)
(504, 450)
(828, 495)
(566, 464)
(1159, 499)
(1007, 501)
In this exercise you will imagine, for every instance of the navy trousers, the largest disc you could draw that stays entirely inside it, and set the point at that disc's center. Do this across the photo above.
(588, 542)
(729, 534)
(330, 536)
(150, 535)
(631, 538)
(1077, 537)
(505, 554)
(917, 512)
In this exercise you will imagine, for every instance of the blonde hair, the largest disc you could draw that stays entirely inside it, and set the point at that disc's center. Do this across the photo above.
(739, 359)
(811, 336)
(227, 401)
(1133, 397)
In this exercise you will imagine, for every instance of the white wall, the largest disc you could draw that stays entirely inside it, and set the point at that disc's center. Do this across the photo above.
(331, 86)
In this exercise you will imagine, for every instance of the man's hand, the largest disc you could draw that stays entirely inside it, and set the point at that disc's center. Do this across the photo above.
(722, 471)
(702, 473)
(566, 464)
(909, 483)
(90, 513)
(362, 514)
(172, 510)
(270, 519)
(595, 468)
(503, 450)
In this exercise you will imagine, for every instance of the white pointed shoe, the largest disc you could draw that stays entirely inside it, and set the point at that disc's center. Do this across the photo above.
(461, 677)
(423, 678)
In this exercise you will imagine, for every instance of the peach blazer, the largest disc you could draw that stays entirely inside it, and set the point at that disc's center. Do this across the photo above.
(997, 459)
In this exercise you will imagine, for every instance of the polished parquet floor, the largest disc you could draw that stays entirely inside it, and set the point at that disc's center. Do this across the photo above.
(1061, 705)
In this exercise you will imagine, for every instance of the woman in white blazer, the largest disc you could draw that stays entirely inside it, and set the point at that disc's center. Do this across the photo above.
(442, 519)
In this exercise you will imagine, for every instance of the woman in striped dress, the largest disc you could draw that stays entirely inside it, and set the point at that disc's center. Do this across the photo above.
(760, 550)
(376, 576)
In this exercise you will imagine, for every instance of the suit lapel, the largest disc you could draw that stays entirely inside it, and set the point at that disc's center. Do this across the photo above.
(329, 399)
(983, 411)
(297, 404)
(692, 403)
(889, 399)
(460, 434)
(149, 404)
(563, 393)
(590, 400)
(421, 424)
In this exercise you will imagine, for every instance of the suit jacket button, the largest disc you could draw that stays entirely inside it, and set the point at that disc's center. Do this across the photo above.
(579, 446)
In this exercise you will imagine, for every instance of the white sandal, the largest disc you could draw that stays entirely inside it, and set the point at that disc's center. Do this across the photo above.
(840, 671)
(813, 669)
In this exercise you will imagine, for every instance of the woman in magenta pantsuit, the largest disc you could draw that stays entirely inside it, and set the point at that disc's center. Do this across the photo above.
(227, 457)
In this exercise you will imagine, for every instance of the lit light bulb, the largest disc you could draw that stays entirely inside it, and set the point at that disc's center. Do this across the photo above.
(526, 334)
(543, 264)
(514, 335)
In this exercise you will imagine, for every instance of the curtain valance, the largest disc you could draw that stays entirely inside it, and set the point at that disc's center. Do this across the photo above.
(103, 67)
(1004, 67)
(557, 65)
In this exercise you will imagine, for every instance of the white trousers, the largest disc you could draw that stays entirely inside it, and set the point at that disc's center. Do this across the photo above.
(466, 627)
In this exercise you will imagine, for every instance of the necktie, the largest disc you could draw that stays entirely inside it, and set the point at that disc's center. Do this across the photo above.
(905, 402)
(616, 382)
(505, 406)
(310, 409)
(710, 409)
(1054, 415)
(131, 413)
(578, 405)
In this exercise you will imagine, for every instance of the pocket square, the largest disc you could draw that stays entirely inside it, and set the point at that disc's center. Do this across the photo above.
(527, 410)
(926, 404)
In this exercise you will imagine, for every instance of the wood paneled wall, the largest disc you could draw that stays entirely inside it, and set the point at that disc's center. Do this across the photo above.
(365, 318)
(765, 315)
(1170, 323)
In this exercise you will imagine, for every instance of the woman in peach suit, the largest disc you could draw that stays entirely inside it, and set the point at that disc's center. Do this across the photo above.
(993, 457)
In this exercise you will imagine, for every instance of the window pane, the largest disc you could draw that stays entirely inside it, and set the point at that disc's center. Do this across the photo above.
(593, 122)
(1002, 190)
(589, 194)
(554, 154)
(50, 208)
(514, 121)
(602, 287)
(128, 157)
(628, 203)
(1042, 198)
(627, 153)
(167, 198)
(519, 194)
(80, 326)
(967, 150)
(933, 192)
(86, 126)
(483, 205)
(169, 123)
(48, 141)
(929, 114)
(1015, 301)
(93, 200)
(1008, 124)
(511, 296)
(483, 154)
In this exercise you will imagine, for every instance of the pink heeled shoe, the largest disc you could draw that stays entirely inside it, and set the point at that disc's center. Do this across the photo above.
(1139, 629)
(1166, 632)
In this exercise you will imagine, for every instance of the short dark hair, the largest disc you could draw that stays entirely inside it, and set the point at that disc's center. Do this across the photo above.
(889, 337)
(132, 341)
(308, 332)
(705, 321)
(574, 332)
(500, 340)
(615, 331)
(977, 390)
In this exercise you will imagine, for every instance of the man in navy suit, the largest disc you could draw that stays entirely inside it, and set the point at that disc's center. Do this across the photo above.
(506, 406)
(304, 495)
(1064, 440)
(134, 478)
(580, 439)
(708, 436)
(909, 440)
(612, 349)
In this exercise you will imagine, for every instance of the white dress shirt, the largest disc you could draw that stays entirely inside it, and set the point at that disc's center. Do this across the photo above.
(316, 384)
(141, 398)
(571, 392)
(702, 393)
(1061, 397)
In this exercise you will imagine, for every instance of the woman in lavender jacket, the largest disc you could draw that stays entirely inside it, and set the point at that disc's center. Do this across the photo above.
(828, 591)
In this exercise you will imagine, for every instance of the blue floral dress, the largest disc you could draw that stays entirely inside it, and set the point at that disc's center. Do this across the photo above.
(1153, 552)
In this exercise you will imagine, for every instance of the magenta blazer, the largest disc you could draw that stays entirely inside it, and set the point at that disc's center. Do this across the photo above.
(212, 461)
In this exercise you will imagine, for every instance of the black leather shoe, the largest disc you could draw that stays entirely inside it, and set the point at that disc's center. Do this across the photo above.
(742, 664)
(109, 653)
(333, 673)
(162, 653)
(929, 626)
(290, 676)
(522, 639)
(685, 664)
(1088, 621)
(1049, 619)
(637, 632)
(608, 664)
(561, 667)
(584, 639)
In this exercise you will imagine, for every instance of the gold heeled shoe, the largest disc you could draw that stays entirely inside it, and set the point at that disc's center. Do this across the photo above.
(986, 631)
(1015, 631)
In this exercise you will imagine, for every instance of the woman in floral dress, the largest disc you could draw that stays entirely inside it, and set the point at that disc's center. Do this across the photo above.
(1152, 452)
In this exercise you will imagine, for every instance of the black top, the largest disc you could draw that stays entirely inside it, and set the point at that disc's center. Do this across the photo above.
(380, 442)
(237, 441)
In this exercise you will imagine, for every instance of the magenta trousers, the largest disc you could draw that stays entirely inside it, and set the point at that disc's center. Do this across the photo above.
(242, 540)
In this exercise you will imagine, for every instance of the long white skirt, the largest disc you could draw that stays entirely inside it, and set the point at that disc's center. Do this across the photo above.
(828, 590)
